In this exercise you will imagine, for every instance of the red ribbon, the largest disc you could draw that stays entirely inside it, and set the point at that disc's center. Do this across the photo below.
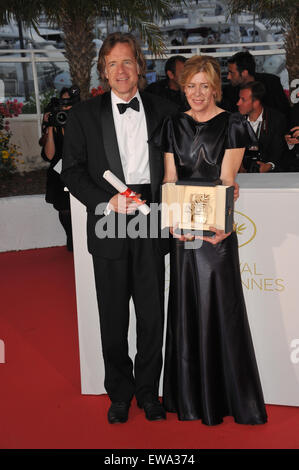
(129, 193)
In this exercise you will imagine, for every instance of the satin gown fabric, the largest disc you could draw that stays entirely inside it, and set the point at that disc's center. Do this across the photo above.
(210, 368)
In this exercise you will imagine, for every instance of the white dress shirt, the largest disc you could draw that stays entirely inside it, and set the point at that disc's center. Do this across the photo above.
(131, 132)
(256, 126)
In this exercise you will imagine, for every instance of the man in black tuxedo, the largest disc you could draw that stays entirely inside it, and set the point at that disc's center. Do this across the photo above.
(269, 125)
(112, 132)
(241, 70)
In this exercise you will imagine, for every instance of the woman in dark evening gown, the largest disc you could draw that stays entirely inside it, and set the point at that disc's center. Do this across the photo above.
(210, 367)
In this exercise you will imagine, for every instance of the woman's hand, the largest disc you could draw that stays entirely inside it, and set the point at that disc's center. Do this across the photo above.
(187, 237)
(218, 237)
(236, 191)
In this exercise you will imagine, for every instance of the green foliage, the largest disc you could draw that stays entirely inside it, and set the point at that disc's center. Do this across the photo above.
(8, 151)
(77, 17)
(30, 106)
(139, 15)
(20, 9)
(278, 11)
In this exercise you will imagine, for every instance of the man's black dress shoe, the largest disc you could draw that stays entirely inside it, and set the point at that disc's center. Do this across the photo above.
(154, 411)
(118, 412)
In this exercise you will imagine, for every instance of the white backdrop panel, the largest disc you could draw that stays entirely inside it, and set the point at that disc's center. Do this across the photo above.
(28, 222)
(269, 270)
(267, 224)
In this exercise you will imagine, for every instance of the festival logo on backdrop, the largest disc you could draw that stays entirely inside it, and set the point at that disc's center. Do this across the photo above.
(244, 227)
(255, 276)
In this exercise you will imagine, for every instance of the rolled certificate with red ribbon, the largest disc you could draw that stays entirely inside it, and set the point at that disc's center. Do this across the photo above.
(125, 191)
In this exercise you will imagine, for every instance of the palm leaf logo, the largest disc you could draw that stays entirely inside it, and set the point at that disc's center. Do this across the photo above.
(239, 228)
(246, 227)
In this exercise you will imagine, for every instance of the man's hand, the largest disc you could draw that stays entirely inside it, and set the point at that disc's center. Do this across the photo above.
(122, 204)
(293, 139)
(242, 169)
(46, 117)
(264, 167)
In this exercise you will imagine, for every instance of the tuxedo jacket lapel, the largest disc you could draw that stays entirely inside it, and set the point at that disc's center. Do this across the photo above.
(151, 122)
(151, 119)
(110, 138)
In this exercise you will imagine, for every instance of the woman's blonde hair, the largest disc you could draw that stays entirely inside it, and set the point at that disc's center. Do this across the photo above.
(207, 64)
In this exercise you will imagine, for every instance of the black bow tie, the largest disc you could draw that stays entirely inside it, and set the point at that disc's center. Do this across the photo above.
(134, 104)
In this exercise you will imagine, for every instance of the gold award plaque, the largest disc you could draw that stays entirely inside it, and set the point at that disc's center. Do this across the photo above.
(194, 207)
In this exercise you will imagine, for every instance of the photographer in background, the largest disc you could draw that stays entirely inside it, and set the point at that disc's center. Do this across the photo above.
(269, 126)
(292, 139)
(54, 121)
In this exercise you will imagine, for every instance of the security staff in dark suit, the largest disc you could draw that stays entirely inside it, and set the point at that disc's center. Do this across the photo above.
(169, 87)
(112, 132)
(269, 125)
(292, 140)
(241, 70)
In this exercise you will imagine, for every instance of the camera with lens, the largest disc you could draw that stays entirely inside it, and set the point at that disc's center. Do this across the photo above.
(58, 115)
(250, 159)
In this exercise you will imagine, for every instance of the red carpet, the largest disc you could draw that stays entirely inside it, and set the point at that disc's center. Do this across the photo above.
(41, 406)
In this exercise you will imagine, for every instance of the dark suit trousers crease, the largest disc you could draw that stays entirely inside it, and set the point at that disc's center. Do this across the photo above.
(138, 274)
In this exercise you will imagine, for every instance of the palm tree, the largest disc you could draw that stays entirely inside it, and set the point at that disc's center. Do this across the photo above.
(285, 12)
(76, 18)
